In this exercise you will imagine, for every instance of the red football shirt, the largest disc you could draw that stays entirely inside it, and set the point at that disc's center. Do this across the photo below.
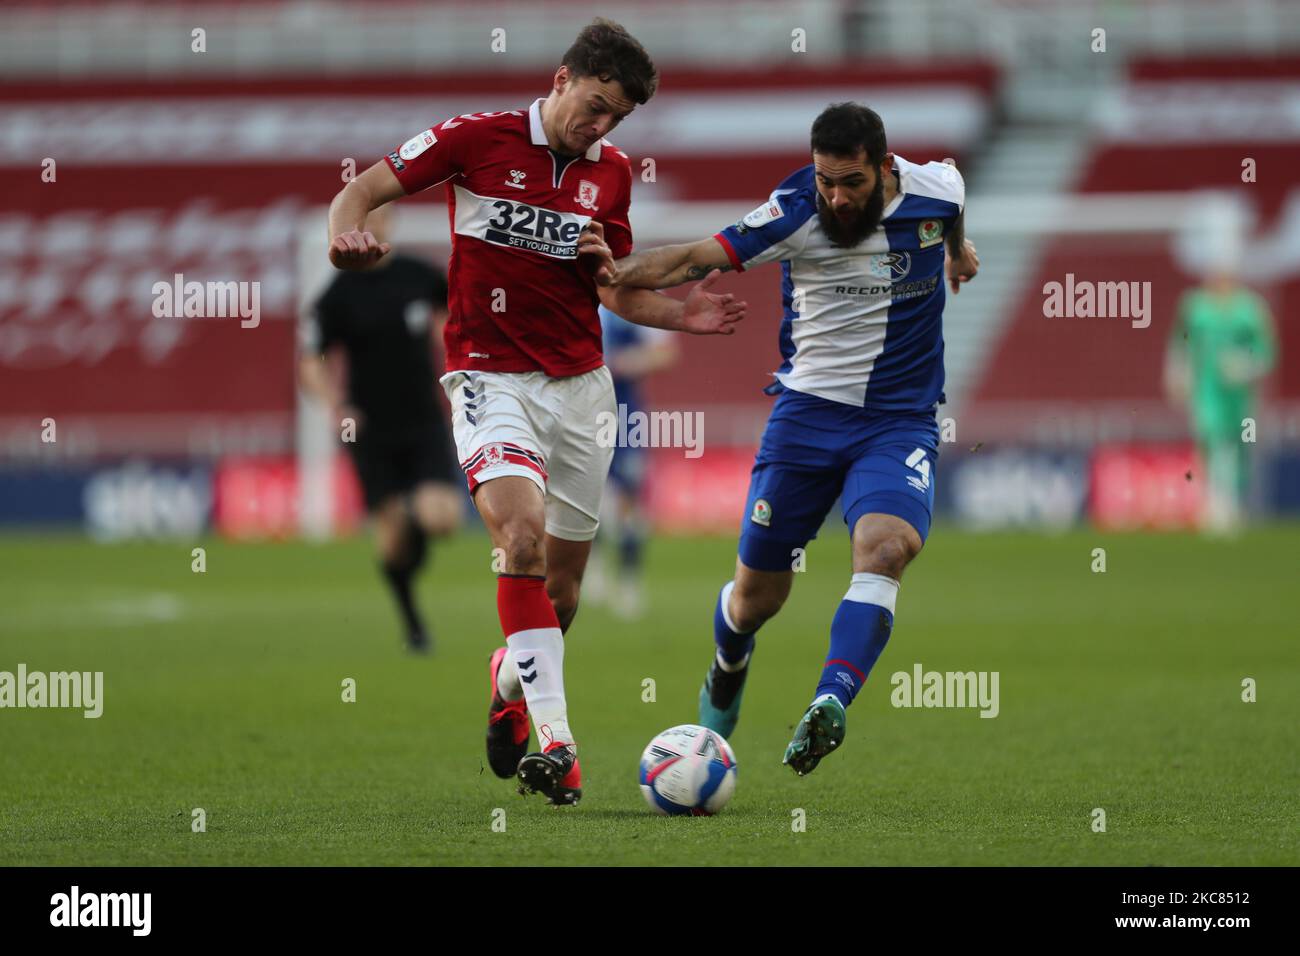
(518, 300)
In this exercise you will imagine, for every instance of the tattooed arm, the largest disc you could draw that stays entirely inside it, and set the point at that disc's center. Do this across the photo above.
(703, 312)
(666, 266)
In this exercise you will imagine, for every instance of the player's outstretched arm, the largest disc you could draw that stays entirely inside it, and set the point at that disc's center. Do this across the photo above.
(667, 266)
(351, 247)
(702, 313)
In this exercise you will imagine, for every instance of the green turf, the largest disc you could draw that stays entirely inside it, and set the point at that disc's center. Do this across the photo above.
(1119, 690)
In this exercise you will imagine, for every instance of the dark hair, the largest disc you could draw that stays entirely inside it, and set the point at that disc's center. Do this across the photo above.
(605, 50)
(844, 128)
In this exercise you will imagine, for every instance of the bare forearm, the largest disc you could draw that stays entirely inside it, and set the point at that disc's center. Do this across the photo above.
(666, 266)
(353, 203)
(957, 234)
(644, 307)
(349, 209)
(655, 268)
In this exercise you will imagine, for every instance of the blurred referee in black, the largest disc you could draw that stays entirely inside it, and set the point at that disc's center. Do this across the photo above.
(367, 352)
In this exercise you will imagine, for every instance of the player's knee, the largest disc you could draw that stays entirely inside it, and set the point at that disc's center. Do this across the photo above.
(888, 554)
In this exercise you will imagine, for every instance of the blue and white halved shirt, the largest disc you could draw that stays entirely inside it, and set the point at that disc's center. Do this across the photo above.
(862, 326)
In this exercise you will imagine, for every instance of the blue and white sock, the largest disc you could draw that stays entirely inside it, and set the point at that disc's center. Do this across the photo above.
(859, 632)
(734, 647)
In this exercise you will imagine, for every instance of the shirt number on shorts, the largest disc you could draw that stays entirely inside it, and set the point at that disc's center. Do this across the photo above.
(918, 460)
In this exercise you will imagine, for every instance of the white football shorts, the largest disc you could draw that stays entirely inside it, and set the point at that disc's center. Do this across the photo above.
(541, 428)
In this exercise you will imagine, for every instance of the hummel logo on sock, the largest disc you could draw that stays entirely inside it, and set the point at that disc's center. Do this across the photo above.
(524, 665)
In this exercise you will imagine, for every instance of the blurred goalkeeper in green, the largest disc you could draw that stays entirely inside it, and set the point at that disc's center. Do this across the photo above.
(1221, 348)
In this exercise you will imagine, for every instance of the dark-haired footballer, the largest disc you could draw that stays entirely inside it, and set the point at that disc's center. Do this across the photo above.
(533, 194)
(865, 239)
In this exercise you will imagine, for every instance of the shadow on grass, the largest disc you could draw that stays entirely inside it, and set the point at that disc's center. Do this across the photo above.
(612, 813)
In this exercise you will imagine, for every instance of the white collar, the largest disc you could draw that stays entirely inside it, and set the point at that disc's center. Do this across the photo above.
(904, 169)
(539, 134)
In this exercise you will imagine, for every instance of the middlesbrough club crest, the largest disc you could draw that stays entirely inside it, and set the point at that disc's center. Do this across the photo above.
(587, 193)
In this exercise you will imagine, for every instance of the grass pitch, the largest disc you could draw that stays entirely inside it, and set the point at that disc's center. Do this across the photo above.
(222, 691)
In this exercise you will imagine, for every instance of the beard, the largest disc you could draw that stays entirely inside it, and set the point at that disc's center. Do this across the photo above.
(847, 234)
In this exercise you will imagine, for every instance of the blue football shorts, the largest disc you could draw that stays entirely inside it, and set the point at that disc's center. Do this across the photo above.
(814, 451)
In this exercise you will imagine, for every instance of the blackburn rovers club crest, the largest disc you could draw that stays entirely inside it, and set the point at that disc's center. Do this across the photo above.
(493, 454)
(762, 513)
(587, 193)
(929, 231)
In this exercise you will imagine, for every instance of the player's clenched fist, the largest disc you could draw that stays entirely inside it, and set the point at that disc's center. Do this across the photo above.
(356, 250)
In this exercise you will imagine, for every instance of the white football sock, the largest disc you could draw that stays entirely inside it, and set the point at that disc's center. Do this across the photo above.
(539, 664)
(740, 665)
